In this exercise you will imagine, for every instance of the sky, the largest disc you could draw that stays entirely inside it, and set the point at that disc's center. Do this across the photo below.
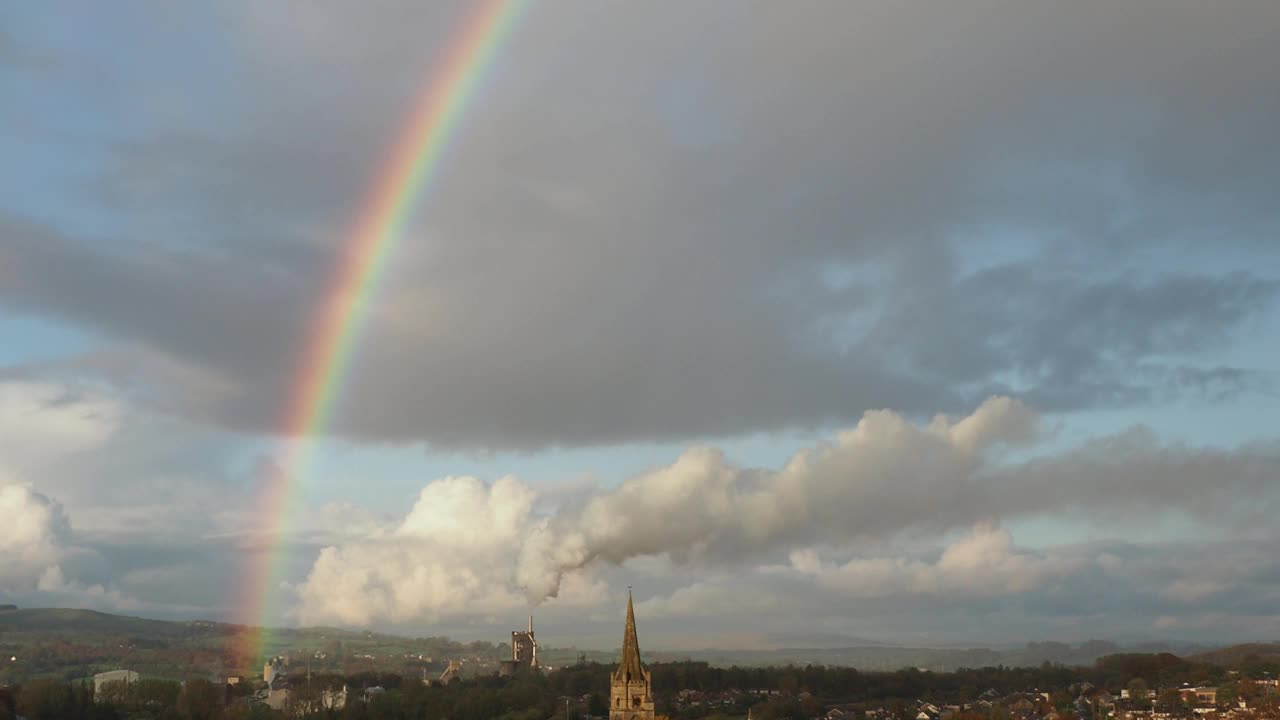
(904, 322)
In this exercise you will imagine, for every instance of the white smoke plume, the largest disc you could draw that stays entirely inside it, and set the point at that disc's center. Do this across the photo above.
(883, 475)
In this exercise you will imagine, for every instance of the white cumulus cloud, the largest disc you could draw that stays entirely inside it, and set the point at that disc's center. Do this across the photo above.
(33, 536)
(984, 562)
(452, 555)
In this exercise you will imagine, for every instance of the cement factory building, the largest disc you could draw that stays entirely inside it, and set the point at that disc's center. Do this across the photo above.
(524, 652)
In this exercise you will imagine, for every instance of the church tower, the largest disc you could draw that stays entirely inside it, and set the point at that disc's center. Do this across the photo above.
(630, 697)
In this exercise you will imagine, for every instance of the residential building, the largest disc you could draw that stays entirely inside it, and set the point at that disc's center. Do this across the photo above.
(128, 677)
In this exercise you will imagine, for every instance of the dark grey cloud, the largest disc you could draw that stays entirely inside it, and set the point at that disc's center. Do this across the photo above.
(746, 220)
(1067, 339)
(1134, 473)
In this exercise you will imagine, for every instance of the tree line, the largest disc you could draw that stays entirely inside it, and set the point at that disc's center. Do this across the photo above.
(582, 689)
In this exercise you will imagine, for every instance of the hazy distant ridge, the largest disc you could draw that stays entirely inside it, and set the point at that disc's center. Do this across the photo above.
(60, 621)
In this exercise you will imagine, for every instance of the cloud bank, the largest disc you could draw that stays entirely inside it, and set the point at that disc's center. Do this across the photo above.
(471, 548)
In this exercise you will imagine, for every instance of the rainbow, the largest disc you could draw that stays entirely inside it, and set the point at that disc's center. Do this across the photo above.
(414, 162)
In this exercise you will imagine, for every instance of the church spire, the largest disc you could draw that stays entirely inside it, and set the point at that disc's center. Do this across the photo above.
(630, 696)
(630, 666)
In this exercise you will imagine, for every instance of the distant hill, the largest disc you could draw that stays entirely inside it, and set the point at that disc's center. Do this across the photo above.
(107, 639)
(1237, 654)
(891, 657)
(819, 640)
(865, 657)
(72, 643)
(60, 620)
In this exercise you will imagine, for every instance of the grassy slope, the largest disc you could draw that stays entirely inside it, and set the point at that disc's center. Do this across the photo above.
(87, 621)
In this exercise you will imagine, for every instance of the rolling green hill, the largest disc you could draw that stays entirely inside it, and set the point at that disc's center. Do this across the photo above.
(68, 620)
(71, 643)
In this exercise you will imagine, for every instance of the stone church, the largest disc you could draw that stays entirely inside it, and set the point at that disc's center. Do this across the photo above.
(630, 695)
